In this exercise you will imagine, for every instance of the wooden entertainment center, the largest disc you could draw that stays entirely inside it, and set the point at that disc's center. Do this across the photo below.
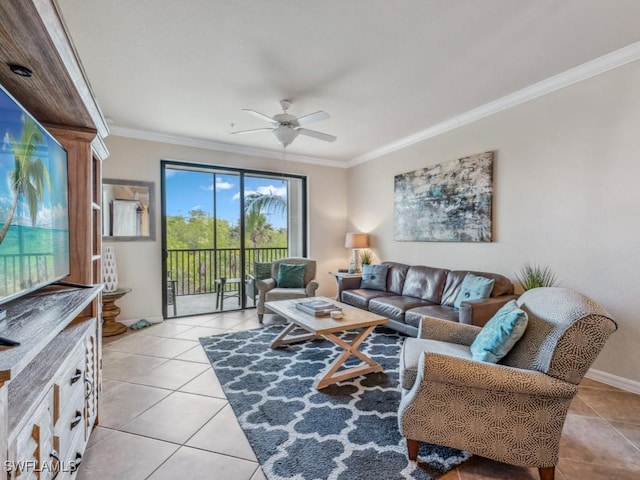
(50, 383)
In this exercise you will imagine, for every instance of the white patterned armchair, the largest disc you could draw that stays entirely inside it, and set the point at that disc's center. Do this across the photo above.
(268, 290)
(513, 411)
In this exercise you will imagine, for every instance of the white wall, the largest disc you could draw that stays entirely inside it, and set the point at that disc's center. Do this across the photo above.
(566, 194)
(139, 263)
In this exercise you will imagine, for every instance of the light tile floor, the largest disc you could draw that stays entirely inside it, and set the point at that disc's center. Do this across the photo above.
(163, 415)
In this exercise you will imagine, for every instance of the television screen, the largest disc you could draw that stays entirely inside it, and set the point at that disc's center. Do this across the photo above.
(34, 221)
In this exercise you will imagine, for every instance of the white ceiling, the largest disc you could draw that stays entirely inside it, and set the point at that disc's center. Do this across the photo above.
(382, 69)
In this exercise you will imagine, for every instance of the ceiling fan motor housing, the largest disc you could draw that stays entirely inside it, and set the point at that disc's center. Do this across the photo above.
(286, 120)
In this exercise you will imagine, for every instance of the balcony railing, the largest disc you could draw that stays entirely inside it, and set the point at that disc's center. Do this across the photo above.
(194, 271)
(15, 269)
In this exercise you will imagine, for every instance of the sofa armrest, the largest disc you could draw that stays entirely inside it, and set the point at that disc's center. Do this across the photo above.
(347, 283)
(265, 285)
(311, 288)
(437, 367)
(479, 312)
(447, 331)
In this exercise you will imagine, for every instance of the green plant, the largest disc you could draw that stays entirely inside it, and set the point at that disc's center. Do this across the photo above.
(366, 257)
(534, 276)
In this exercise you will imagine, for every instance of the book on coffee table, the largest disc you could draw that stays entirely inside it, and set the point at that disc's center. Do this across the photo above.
(318, 308)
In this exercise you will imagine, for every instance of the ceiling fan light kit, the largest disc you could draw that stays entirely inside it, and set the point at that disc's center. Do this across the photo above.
(286, 127)
(285, 135)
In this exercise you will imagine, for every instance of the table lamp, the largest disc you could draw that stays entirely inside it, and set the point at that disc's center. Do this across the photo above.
(356, 241)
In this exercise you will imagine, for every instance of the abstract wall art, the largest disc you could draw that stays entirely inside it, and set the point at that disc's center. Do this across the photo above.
(449, 202)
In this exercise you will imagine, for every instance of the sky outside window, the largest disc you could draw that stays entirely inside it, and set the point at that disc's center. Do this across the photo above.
(189, 190)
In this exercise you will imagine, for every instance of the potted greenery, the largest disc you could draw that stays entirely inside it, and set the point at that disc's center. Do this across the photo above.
(534, 276)
(366, 257)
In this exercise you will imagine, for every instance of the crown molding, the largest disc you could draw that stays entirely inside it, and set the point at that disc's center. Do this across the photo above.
(610, 61)
(220, 147)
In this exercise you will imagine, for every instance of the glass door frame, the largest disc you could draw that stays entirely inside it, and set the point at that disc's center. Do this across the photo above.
(204, 167)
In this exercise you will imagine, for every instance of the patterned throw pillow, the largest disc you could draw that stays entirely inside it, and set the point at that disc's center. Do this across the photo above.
(500, 334)
(374, 277)
(474, 287)
(261, 271)
(290, 275)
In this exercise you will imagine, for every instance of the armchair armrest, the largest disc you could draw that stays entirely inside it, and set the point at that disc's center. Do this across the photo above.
(265, 285)
(437, 367)
(479, 312)
(447, 331)
(311, 288)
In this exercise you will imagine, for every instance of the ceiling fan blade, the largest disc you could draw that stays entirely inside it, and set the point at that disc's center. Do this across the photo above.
(312, 118)
(242, 132)
(261, 116)
(319, 135)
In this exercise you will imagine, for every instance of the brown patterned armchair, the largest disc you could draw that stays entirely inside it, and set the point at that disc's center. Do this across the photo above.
(513, 411)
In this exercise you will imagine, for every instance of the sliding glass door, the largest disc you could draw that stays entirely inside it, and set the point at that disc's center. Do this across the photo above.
(217, 223)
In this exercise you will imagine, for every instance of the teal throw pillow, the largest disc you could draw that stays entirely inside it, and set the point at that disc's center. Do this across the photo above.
(474, 287)
(262, 270)
(500, 334)
(290, 275)
(374, 277)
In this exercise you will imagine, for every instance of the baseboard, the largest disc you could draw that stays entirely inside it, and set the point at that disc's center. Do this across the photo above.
(131, 321)
(632, 386)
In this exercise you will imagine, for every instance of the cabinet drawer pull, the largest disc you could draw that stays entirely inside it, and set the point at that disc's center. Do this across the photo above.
(76, 376)
(88, 388)
(56, 456)
(76, 420)
(76, 463)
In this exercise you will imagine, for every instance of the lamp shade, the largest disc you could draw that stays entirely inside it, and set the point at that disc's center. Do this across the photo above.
(356, 240)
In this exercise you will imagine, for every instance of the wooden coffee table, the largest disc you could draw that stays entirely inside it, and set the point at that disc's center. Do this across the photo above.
(352, 319)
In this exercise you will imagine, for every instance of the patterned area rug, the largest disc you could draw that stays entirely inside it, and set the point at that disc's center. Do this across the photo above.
(347, 431)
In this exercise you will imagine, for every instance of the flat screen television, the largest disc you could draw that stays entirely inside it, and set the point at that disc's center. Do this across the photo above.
(34, 213)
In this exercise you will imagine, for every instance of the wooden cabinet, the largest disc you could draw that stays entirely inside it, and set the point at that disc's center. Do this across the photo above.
(50, 383)
(59, 330)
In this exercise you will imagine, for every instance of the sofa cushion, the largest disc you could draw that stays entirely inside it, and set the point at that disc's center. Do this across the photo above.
(410, 356)
(474, 287)
(290, 275)
(394, 306)
(396, 276)
(414, 316)
(374, 277)
(360, 297)
(426, 283)
(500, 333)
(502, 285)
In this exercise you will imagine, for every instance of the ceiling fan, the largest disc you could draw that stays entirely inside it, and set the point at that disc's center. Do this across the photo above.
(286, 127)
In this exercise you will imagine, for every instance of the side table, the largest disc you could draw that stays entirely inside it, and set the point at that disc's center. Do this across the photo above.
(110, 311)
(339, 276)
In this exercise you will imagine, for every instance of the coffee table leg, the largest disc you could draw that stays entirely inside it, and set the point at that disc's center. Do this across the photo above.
(281, 340)
(330, 376)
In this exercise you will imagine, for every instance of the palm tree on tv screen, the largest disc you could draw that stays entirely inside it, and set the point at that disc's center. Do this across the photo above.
(30, 176)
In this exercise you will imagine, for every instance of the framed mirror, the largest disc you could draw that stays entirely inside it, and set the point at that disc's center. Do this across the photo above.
(127, 210)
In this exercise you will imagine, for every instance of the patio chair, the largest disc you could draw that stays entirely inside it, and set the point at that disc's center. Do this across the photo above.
(261, 271)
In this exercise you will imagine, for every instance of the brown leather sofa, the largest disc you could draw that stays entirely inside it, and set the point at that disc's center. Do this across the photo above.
(415, 292)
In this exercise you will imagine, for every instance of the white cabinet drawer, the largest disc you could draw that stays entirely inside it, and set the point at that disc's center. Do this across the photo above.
(32, 455)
